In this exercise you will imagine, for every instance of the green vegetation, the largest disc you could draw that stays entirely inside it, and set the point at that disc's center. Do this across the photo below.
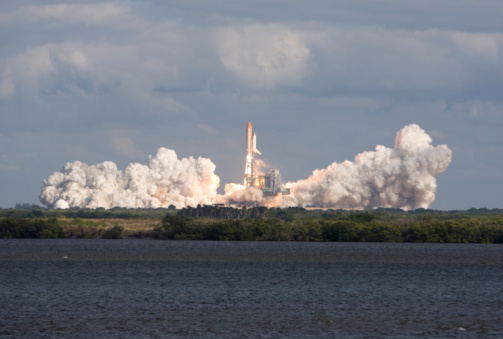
(73, 213)
(30, 228)
(115, 232)
(256, 223)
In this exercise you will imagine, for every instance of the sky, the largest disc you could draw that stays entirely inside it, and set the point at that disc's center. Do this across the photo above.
(321, 81)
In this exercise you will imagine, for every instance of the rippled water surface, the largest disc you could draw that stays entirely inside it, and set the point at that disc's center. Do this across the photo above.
(142, 289)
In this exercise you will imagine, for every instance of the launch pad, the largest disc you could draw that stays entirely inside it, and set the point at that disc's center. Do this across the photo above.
(269, 183)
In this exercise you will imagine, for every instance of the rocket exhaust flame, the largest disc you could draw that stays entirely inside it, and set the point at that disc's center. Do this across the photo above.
(400, 177)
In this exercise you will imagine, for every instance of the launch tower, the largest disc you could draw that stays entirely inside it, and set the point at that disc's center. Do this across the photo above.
(270, 183)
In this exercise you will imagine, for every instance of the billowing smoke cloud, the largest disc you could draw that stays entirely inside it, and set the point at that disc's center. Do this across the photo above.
(402, 177)
(399, 177)
(239, 193)
(166, 181)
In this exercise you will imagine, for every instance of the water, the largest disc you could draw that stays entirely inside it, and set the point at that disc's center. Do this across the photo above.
(156, 289)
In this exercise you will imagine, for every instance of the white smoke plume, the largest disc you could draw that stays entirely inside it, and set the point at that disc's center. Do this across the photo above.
(239, 193)
(166, 181)
(401, 177)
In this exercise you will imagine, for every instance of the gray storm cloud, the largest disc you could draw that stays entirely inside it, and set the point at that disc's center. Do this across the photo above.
(400, 177)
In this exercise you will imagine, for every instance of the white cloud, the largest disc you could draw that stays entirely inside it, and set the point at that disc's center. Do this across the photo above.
(123, 145)
(36, 68)
(26, 68)
(75, 58)
(264, 56)
(184, 74)
(6, 88)
(476, 110)
(478, 45)
(369, 57)
(69, 13)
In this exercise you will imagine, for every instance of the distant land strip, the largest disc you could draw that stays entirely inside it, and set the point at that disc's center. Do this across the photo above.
(223, 223)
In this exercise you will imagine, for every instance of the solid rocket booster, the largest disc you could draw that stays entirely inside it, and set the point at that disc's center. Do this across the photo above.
(249, 137)
(251, 140)
(251, 148)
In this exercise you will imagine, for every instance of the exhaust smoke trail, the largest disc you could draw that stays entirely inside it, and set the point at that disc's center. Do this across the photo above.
(241, 193)
(166, 181)
(400, 177)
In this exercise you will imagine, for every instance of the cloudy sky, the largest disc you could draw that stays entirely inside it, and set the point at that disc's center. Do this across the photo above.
(321, 81)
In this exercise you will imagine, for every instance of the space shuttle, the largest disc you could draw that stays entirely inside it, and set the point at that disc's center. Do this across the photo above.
(251, 140)
(269, 183)
(250, 178)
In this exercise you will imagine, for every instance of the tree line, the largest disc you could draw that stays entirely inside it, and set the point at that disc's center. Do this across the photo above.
(51, 228)
(258, 223)
(22, 211)
(363, 226)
